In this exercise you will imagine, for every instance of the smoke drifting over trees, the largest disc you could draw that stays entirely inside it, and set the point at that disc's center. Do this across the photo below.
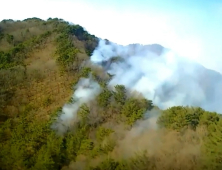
(161, 75)
(125, 112)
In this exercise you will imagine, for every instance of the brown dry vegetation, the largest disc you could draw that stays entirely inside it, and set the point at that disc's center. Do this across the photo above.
(41, 82)
(44, 86)
(110, 132)
(164, 148)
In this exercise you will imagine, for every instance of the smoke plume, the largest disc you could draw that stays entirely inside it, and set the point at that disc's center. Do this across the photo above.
(85, 91)
(160, 75)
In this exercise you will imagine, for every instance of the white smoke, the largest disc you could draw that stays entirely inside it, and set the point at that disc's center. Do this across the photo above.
(163, 77)
(85, 91)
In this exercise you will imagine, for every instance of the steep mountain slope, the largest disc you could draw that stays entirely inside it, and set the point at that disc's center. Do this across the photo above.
(28, 61)
(62, 109)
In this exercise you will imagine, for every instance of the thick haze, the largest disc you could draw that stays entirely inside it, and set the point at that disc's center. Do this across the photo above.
(161, 75)
(191, 28)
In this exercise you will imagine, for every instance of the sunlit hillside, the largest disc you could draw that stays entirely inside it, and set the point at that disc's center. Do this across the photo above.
(57, 110)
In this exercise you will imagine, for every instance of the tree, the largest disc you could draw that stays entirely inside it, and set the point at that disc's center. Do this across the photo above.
(104, 97)
(120, 94)
(133, 109)
(179, 117)
(213, 147)
(10, 38)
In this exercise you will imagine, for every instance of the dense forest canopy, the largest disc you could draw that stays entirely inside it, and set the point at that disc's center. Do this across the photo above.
(44, 125)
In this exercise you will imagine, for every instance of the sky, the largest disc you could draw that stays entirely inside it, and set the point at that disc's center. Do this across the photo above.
(190, 28)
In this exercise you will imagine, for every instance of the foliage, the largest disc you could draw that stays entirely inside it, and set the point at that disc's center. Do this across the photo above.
(134, 109)
(9, 38)
(27, 140)
(84, 112)
(179, 117)
(104, 97)
(17, 54)
(109, 164)
(29, 143)
(85, 72)
(102, 133)
(120, 94)
(1, 35)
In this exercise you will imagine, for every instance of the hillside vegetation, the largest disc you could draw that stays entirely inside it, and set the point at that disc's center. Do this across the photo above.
(40, 63)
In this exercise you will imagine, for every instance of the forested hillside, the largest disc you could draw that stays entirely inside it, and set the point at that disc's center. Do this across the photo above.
(42, 63)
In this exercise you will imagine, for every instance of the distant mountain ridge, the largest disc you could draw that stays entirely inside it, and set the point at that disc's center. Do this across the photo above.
(155, 48)
(190, 84)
